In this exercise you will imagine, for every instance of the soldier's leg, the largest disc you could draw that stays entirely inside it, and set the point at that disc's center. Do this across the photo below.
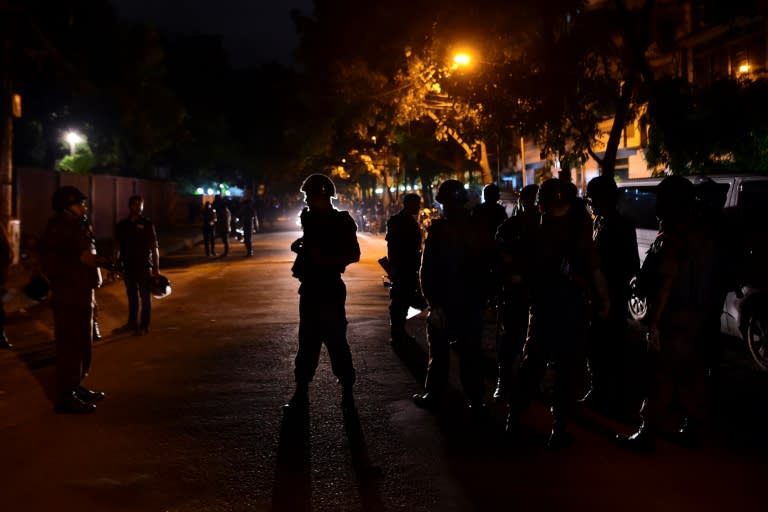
(132, 291)
(400, 297)
(310, 339)
(72, 328)
(438, 341)
(470, 332)
(335, 335)
(146, 303)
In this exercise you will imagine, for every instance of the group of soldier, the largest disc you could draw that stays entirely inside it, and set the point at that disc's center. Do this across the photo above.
(558, 273)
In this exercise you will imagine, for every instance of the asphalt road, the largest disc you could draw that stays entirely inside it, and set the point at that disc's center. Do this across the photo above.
(192, 418)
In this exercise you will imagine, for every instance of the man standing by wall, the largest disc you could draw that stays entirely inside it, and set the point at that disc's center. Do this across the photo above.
(69, 261)
(139, 256)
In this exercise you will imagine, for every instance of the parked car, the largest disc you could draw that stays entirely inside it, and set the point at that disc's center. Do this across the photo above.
(745, 202)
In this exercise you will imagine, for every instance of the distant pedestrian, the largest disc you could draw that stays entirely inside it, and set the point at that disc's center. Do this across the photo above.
(616, 243)
(209, 229)
(514, 238)
(247, 215)
(223, 222)
(404, 256)
(6, 257)
(69, 262)
(452, 280)
(565, 280)
(328, 245)
(139, 256)
(678, 276)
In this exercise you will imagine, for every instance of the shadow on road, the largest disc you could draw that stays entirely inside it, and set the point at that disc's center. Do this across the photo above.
(368, 476)
(292, 490)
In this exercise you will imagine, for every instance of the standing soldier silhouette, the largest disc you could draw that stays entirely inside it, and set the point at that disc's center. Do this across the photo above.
(514, 237)
(69, 261)
(452, 278)
(565, 280)
(404, 255)
(328, 245)
(616, 243)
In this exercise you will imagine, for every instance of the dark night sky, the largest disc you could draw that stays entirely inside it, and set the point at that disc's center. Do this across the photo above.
(255, 31)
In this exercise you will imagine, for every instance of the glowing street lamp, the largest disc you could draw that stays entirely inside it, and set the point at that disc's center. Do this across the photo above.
(461, 60)
(73, 139)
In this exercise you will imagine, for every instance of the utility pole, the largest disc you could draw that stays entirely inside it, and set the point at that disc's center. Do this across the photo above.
(8, 108)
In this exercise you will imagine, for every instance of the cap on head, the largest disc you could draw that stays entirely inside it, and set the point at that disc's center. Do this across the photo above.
(66, 196)
(451, 193)
(318, 184)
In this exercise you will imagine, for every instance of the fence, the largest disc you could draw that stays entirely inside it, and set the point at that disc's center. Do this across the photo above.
(107, 195)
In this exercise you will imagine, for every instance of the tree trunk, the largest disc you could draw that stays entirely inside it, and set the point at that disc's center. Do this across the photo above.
(608, 164)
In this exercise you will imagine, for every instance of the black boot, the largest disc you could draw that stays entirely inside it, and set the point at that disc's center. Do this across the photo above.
(300, 398)
(4, 343)
(688, 435)
(71, 404)
(642, 441)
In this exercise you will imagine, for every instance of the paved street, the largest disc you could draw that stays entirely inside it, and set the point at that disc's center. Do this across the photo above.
(192, 418)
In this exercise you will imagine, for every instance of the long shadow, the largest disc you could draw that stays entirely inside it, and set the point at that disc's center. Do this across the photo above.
(367, 475)
(292, 490)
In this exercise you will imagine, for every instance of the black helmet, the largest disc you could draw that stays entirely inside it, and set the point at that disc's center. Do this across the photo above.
(491, 193)
(451, 192)
(66, 196)
(603, 187)
(674, 198)
(319, 184)
(160, 286)
(553, 193)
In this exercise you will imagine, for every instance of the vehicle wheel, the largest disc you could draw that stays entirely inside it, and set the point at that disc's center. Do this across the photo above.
(636, 304)
(757, 340)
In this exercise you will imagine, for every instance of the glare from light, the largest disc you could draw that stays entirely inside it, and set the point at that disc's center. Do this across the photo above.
(74, 138)
(199, 191)
(210, 191)
(462, 59)
(744, 68)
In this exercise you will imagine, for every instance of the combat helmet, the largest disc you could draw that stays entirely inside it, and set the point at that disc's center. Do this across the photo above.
(451, 192)
(66, 196)
(319, 184)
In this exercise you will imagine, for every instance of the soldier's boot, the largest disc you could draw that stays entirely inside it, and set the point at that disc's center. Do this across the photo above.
(642, 441)
(4, 343)
(96, 331)
(559, 437)
(688, 435)
(300, 398)
(501, 392)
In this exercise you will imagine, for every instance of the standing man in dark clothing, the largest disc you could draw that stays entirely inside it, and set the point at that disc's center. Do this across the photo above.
(679, 277)
(69, 262)
(247, 215)
(488, 216)
(6, 256)
(404, 255)
(565, 279)
(139, 256)
(328, 245)
(514, 237)
(453, 280)
(209, 229)
(223, 222)
(616, 243)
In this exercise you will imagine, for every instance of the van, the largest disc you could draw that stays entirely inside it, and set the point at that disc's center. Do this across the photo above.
(745, 202)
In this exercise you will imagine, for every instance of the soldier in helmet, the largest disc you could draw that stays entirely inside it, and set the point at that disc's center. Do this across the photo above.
(616, 243)
(404, 255)
(328, 245)
(564, 280)
(69, 261)
(452, 272)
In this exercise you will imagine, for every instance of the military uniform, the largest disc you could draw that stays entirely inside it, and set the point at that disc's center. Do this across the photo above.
(404, 254)
(137, 240)
(329, 244)
(452, 280)
(72, 280)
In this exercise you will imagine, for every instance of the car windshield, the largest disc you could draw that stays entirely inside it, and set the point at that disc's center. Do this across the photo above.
(638, 203)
